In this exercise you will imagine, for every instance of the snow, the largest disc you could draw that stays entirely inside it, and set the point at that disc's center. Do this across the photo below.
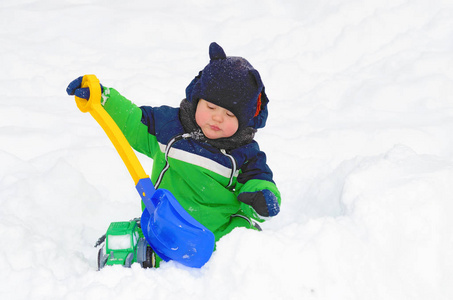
(359, 138)
(119, 241)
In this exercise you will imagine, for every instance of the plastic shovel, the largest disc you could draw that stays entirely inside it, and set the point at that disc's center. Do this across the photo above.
(169, 229)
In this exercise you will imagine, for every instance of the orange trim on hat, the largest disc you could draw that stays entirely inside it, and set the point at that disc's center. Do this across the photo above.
(258, 106)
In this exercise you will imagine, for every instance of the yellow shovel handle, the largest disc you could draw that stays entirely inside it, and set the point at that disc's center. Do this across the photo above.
(94, 107)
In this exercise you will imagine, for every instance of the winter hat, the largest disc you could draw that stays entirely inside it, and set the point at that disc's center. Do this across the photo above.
(232, 83)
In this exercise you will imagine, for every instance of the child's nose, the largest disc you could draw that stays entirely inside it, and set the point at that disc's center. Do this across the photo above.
(217, 117)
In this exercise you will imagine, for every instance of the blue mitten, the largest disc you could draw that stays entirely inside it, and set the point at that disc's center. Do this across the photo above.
(74, 88)
(264, 202)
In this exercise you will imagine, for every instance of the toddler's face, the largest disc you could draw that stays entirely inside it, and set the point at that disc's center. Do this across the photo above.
(215, 121)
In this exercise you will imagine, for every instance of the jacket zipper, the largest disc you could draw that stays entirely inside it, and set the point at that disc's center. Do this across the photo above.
(186, 136)
(233, 166)
(167, 150)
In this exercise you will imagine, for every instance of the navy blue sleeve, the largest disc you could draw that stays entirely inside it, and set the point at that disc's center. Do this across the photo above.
(148, 118)
(256, 168)
(163, 122)
(254, 164)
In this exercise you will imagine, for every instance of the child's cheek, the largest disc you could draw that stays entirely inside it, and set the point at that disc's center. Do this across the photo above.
(199, 118)
(231, 127)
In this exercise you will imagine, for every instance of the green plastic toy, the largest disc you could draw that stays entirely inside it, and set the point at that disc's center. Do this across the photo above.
(125, 245)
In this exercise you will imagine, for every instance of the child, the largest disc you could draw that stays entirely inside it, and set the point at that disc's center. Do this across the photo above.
(203, 151)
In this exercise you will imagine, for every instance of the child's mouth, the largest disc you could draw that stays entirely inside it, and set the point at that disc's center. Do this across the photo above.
(214, 128)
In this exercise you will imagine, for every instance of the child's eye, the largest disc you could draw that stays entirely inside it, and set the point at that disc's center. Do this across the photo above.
(230, 114)
(210, 106)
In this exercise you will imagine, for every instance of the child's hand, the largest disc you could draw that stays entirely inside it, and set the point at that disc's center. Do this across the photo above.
(264, 202)
(74, 88)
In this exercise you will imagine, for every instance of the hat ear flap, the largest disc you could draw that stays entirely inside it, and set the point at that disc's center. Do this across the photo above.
(259, 121)
(189, 88)
(260, 117)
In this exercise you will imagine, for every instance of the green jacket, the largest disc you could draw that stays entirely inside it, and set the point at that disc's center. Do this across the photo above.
(204, 179)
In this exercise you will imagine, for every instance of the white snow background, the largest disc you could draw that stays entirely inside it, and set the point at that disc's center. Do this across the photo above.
(359, 136)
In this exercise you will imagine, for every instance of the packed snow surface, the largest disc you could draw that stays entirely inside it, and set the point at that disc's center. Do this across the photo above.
(359, 136)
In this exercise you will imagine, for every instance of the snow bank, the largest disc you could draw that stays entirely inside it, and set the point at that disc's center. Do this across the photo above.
(359, 139)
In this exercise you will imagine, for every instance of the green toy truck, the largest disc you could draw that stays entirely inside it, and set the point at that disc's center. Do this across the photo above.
(125, 245)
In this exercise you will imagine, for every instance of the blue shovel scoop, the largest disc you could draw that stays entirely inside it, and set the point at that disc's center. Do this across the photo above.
(169, 229)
